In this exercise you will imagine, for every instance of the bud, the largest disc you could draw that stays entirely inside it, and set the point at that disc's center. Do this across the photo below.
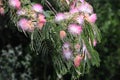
(62, 34)
(92, 18)
(77, 60)
(41, 21)
(2, 11)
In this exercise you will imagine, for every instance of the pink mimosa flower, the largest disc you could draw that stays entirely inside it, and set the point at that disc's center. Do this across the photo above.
(41, 21)
(59, 17)
(77, 60)
(2, 11)
(82, 1)
(66, 45)
(74, 29)
(85, 8)
(67, 54)
(20, 12)
(74, 10)
(62, 34)
(23, 24)
(92, 18)
(37, 8)
(80, 19)
(15, 3)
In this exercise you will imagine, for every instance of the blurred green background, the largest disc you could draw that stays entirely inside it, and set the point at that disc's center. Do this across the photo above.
(18, 63)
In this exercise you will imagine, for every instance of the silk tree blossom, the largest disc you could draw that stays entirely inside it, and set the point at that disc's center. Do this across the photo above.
(92, 18)
(23, 24)
(74, 10)
(85, 8)
(21, 12)
(37, 8)
(80, 19)
(82, 1)
(62, 34)
(15, 4)
(41, 21)
(66, 45)
(59, 17)
(2, 11)
(77, 60)
(67, 54)
(74, 29)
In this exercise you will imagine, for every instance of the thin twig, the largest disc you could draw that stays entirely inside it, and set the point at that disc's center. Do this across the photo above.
(50, 6)
(50, 9)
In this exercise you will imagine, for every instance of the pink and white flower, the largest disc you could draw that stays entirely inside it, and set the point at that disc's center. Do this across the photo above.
(59, 17)
(67, 54)
(77, 60)
(80, 19)
(37, 8)
(85, 8)
(66, 45)
(74, 10)
(82, 1)
(74, 29)
(21, 12)
(41, 21)
(92, 18)
(23, 24)
(15, 3)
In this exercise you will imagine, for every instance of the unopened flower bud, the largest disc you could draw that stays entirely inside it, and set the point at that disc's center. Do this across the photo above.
(77, 60)
(62, 34)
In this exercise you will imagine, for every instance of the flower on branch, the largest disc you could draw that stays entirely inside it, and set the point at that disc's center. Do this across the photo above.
(37, 8)
(74, 29)
(15, 4)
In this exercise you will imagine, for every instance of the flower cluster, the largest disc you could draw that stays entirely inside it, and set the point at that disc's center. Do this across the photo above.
(35, 17)
(79, 13)
(75, 19)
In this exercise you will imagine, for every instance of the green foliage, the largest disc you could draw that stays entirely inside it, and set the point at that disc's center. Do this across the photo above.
(109, 49)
